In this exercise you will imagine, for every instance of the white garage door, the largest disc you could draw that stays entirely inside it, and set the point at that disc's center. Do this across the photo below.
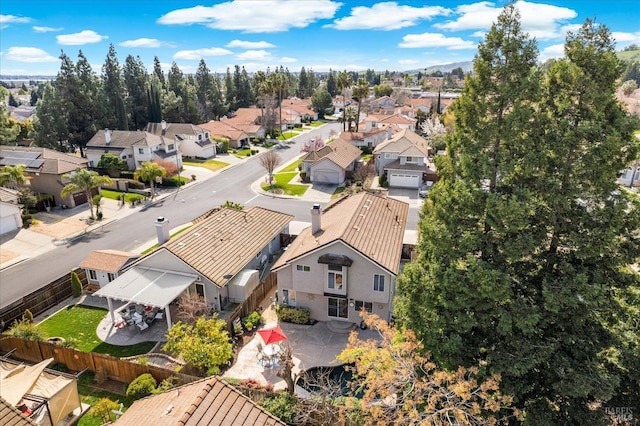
(326, 176)
(401, 180)
(7, 224)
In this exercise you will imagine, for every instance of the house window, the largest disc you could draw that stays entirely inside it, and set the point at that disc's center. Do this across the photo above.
(412, 159)
(124, 157)
(378, 282)
(360, 305)
(171, 147)
(92, 274)
(288, 297)
(197, 289)
(387, 155)
(335, 278)
(337, 308)
(303, 268)
(140, 150)
(111, 276)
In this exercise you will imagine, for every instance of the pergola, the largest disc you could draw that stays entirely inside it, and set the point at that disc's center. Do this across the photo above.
(146, 286)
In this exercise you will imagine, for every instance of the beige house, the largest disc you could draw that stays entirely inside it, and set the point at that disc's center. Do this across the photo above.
(210, 401)
(331, 163)
(249, 120)
(44, 169)
(224, 129)
(208, 259)
(347, 260)
(104, 266)
(193, 141)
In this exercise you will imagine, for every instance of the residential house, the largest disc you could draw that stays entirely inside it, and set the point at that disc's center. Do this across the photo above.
(395, 121)
(223, 129)
(44, 168)
(302, 108)
(369, 139)
(207, 259)
(10, 211)
(383, 105)
(205, 402)
(134, 147)
(104, 266)
(405, 160)
(193, 141)
(332, 163)
(249, 120)
(347, 260)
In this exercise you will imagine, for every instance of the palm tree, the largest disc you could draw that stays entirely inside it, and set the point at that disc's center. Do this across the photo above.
(279, 83)
(149, 172)
(342, 82)
(84, 180)
(13, 176)
(360, 92)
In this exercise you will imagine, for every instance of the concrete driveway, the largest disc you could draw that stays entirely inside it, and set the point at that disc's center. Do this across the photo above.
(408, 195)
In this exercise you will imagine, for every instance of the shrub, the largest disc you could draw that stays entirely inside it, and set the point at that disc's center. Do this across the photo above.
(166, 384)
(27, 316)
(27, 219)
(27, 331)
(70, 342)
(366, 150)
(128, 175)
(174, 181)
(382, 180)
(76, 285)
(143, 385)
(283, 406)
(254, 319)
(293, 314)
(103, 409)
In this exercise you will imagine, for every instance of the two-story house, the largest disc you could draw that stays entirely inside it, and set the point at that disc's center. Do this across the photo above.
(405, 160)
(134, 147)
(331, 163)
(194, 141)
(347, 261)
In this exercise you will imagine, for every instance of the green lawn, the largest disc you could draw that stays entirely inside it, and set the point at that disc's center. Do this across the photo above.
(282, 182)
(366, 157)
(291, 167)
(114, 195)
(317, 124)
(243, 153)
(212, 165)
(288, 135)
(339, 190)
(80, 323)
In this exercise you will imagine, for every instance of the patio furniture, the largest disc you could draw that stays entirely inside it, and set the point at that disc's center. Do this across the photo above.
(271, 354)
(142, 326)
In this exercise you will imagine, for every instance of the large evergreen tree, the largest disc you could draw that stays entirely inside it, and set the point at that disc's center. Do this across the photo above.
(136, 82)
(50, 127)
(114, 91)
(525, 240)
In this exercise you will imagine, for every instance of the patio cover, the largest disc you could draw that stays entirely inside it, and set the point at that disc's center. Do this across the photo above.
(15, 386)
(146, 286)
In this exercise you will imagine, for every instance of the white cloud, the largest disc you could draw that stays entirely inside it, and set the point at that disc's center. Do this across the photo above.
(199, 53)
(408, 61)
(625, 39)
(253, 17)
(554, 51)
(254, 55)
(542, 21)
(45, 29)
(83, 37)
(435, 40)
(286, 59)
(29, 54)
(242, 44)
(144, 42)
(386, 16)
(5, 20)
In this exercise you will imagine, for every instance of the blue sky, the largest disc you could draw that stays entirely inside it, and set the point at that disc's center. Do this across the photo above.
(316, 34)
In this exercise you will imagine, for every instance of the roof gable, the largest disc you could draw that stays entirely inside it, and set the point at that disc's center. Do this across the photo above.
(224, 242)
(108, 260)
(371, 224)
(405, 142)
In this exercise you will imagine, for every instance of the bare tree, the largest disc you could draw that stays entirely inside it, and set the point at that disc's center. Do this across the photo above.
(285, 371)
(191, 307)
(270, 160)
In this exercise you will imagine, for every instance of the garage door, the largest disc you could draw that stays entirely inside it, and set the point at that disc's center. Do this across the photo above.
(400, 180)
(326, 176)
(7, 224)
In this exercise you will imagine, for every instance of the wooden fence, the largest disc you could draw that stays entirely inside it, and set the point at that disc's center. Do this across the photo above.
(41, 299)
(114, 368)
(251, 303)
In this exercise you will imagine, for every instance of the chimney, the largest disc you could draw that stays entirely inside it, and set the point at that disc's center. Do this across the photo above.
(162, 229)
(107, 136)
(316, 213)
(164, 127)
(389, 132)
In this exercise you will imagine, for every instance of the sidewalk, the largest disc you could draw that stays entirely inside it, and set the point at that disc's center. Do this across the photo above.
(59, 226)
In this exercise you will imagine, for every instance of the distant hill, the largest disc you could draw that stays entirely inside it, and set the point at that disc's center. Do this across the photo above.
(629, 55)
(466, 66)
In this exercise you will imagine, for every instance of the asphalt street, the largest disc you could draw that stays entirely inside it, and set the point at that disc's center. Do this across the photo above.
(184, 205)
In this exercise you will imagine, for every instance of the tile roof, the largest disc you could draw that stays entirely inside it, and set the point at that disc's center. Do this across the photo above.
(174, 129)
(53, 162)
(108, 260)
(224, 242)
(343, 153)
(209, 401)
(315, 155)
(405, 142)
(224, 129)
(11, 416)
(124, 139)
(371, 224)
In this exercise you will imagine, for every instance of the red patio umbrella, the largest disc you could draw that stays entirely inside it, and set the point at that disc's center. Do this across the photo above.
(272, 335)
